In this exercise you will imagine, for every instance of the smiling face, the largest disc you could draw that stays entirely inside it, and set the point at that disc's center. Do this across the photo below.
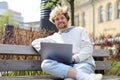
(61, 22)
(60, 17)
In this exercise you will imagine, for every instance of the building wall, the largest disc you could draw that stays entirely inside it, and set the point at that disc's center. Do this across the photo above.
(16, 16)
(106, 27)
(3, 5)
(87, 10)
(34, 25)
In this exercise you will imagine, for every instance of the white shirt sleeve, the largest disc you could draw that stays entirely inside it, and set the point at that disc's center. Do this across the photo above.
(36, 42)
(86, 48)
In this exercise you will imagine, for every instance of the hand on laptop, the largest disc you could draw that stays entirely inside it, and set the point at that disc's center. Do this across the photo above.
(73, 60)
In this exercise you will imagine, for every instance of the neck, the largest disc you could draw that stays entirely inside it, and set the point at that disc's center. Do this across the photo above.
(62, 30)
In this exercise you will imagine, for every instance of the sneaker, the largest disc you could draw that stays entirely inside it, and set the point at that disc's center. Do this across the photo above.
(95, 77)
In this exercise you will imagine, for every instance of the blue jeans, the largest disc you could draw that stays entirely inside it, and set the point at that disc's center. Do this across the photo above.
(60, 70)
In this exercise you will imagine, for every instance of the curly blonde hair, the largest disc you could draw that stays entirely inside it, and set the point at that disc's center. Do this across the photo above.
(59, 10)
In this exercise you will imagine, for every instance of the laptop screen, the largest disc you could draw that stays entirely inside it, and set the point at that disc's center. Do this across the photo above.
(57, 51)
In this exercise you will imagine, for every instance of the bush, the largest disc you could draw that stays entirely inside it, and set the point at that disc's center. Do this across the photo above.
(23, 37)
(112, 44)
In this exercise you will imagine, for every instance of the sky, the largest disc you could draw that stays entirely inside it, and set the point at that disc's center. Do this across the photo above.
(30, 9)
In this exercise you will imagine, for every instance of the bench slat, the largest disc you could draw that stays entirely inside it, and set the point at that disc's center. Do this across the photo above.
(40, 77)
(100, 53)
(31, 65)
(17, 49)
(45, 77)
(28, 50)
(103, 65)
(20, 65)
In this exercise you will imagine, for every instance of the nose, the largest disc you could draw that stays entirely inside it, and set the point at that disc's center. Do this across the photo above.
(60, 20)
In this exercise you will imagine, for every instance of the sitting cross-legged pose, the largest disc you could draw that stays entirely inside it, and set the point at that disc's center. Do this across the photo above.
(83, 64)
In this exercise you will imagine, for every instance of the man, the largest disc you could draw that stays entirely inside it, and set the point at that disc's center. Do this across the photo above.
(83, 62)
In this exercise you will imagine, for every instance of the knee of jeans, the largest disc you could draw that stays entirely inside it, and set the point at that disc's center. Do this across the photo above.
(46, 65)
(68, 79)
(43, 65)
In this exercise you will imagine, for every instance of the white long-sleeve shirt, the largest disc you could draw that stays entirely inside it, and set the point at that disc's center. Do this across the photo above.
(82, 47)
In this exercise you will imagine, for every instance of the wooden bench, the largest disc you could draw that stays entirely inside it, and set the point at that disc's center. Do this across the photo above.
(34, 64)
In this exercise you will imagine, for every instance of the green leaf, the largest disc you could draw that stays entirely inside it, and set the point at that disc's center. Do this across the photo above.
(51, 4)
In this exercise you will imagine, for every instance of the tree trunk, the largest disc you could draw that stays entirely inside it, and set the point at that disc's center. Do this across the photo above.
(72, 12)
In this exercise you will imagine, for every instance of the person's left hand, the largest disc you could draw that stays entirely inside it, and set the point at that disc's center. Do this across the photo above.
(73, 60)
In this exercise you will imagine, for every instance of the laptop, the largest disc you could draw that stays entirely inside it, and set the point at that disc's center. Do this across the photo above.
(57, 51)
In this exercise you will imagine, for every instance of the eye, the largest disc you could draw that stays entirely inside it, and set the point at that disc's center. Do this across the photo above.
(56, 19)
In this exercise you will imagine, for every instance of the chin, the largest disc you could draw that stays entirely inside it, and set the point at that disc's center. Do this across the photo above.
(62, 27)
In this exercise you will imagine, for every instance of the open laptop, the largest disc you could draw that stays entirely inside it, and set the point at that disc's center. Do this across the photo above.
(57, 51)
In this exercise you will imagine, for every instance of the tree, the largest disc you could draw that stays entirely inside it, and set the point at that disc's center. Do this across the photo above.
(50, 4)
(71, 2)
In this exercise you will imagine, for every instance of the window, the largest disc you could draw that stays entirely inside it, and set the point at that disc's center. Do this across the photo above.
(118, 10)
(83, 19)
(101, 14)
(110, 12)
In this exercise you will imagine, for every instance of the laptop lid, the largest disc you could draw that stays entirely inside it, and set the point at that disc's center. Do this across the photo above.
(57, 51)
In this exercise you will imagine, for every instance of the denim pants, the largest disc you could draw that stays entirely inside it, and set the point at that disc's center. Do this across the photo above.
(60, 70)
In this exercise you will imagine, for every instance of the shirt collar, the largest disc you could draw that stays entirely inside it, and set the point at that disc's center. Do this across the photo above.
(67, 30)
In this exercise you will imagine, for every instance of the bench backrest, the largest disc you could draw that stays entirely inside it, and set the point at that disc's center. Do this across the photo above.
(33, 64)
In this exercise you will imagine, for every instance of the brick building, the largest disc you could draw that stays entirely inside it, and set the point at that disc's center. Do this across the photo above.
(100, 16)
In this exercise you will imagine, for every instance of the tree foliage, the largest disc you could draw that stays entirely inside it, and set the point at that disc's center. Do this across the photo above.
(51, 4)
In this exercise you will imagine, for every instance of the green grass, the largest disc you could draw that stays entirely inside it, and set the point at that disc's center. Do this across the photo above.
(24, 73)
(115, 69)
